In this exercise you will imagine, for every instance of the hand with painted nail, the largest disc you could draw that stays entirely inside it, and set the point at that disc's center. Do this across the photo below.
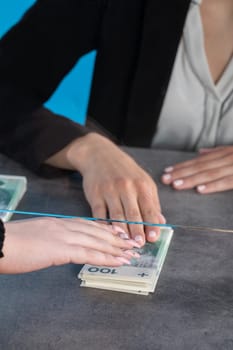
(211, 171)
(115, 185)
(34, 244)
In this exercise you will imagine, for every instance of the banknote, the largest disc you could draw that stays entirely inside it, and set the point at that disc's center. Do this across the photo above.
(140, 277)
(12, 189)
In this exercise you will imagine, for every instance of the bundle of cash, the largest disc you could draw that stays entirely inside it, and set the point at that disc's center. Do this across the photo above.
(138, 278)
(12, 189)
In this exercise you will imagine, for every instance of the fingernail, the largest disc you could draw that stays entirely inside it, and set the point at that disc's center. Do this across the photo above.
(138, 239)
(123, 260)
(166, 177)
(134, 243)
(132, 253)
(178, 183)
(201, 188)
(124, 235)
(168, 169)
(152, 234)
(118, 229)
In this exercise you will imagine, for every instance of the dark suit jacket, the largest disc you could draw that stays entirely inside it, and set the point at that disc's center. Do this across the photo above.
(136, 43)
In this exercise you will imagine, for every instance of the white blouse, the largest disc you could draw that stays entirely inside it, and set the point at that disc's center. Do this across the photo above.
(196, 112)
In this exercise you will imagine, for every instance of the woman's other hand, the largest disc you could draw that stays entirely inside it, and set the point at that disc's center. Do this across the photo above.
(211, 171)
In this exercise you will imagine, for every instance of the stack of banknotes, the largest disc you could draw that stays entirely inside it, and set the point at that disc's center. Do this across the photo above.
(138, 278)
(12, 189)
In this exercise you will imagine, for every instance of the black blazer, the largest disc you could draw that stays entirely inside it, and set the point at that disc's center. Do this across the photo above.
(136, 43)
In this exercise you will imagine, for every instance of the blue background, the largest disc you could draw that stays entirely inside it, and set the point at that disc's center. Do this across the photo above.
(71, 97)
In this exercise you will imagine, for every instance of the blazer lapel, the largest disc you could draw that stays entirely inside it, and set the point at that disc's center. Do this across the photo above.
(162, 29)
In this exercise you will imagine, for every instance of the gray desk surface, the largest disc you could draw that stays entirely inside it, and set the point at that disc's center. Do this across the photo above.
(192, 307)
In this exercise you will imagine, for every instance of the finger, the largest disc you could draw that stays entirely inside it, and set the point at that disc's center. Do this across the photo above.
(116, 210)
(77, 227)
(219, 185)
(88, 224)
(82, 255)
(203, 151)
(219, 153)
(119, 231)
(132, 213)
(202, 178)
(153, 232)
(143, 206)
(111, 244)
(99, 208)
(110, 227)
(151, 213)
(205, 159)
(214, 149)
(206, 150)
(196, 167)
(150, 210)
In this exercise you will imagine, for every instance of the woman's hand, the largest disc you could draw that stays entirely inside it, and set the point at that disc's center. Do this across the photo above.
(115, 184)
(211, 171)
(39, 243)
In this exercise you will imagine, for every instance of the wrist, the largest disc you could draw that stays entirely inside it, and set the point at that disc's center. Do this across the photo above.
(85, 150)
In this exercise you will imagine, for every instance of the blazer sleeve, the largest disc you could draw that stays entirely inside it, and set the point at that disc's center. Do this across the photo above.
(35, 55)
